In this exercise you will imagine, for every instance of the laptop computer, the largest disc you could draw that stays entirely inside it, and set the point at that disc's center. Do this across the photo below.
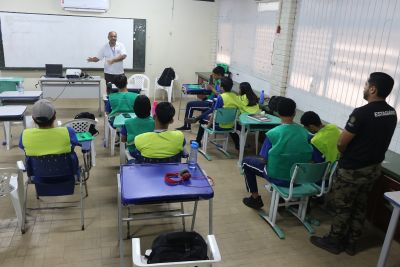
(54, 71)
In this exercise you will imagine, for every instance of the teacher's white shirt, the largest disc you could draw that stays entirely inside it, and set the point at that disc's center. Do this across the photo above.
(107, 52)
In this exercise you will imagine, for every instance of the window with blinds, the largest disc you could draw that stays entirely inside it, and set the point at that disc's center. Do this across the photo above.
(337, 44)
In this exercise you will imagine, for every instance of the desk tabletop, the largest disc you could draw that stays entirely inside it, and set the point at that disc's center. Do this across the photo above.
(90, 79)
(144, 183)
(393, 197)
(245, 120)
(18, 95)
(12, 110)
(11, 79)
(194, 89)
(119, 120)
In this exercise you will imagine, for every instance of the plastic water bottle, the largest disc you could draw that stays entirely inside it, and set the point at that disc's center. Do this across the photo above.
(153, 109)
(261, 98)
(20, 87)
(194, 148)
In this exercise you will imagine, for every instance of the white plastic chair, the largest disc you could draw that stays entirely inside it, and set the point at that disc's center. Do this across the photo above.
(12, 183)
(140, 81)
(110, 133)
(83, 126)
(168, 89)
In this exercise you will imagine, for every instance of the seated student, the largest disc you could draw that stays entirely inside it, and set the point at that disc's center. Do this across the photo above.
(248, 104)
(161, 143)
(325, 137)
(284, 145)
(205, 102)
(121, 101)
(142, 123)
(227, 99)
(47, 140)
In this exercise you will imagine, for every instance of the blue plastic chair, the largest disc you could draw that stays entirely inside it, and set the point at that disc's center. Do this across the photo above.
(221, 116)
(56, 175)
(303, 184)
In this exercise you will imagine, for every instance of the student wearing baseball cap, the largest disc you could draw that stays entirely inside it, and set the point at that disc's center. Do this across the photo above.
(47, 139)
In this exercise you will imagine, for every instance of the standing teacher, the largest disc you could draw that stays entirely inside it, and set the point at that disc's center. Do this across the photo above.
(113, 53)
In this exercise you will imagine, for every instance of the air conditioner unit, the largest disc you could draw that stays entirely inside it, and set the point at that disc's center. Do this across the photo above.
(266, 1)
(100, 6)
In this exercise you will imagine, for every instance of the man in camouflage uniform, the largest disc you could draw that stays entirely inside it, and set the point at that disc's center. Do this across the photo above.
(362, 144)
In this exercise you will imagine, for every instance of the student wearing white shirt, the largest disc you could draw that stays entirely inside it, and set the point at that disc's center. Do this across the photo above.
(113, 53)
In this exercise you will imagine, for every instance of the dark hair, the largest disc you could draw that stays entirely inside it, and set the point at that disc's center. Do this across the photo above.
(219, 70)
(165, 112)
(121, 81)
(245, 89)
(286, 107)
(383, 83)
(142, 106)
(44, 122)
(310, 118)
(226, 83)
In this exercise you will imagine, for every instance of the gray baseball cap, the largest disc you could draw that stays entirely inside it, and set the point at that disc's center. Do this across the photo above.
(43, 110)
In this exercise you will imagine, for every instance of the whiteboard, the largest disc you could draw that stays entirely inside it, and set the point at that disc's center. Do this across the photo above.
(33, 40)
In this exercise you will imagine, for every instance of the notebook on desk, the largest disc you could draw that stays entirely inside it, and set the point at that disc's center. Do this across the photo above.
(259, 117)
(54, 71)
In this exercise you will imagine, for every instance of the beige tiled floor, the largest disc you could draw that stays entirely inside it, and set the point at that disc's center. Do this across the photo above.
(53, 237)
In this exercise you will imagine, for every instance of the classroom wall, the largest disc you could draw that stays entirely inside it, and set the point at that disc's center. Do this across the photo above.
(180, 33)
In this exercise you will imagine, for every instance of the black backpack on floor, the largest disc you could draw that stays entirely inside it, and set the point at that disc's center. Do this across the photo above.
(178, 246)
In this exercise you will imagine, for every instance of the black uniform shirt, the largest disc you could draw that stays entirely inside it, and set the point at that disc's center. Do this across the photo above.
(373, 126)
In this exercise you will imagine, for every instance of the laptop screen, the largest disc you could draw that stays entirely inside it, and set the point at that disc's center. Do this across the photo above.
(54, 70)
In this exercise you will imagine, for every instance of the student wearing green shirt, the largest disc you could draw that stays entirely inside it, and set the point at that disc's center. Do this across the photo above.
(205, 102)
(284, 145)
(142, 123)
(121, 101)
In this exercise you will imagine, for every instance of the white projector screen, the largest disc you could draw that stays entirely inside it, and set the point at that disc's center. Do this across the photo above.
(33, 40)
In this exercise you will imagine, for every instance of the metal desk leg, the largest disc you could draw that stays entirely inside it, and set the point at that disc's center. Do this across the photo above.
(180, 105)
(243, 136)
(120, 232)
(389, 236)
(100, 99)
(210, 216)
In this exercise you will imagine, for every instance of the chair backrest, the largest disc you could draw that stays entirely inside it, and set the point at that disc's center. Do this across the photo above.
(140, 80)
(53, 175)
(80, 125)
(308, 173)
(225, 116)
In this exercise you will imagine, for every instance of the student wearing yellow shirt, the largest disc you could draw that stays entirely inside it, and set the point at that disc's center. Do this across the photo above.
(248, 104)
(325, 137)
(161, 143)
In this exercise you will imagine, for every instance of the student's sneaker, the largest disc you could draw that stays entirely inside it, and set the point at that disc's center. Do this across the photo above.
(329, 243)
(254, 203)
(183, 128)
(191, 120)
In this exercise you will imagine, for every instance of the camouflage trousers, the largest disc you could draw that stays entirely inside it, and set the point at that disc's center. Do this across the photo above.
(349, 199)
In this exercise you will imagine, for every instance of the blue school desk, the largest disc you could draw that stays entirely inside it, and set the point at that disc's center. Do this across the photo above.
(394, 199)
(143, 184)
(251, 125)
(9, 114)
